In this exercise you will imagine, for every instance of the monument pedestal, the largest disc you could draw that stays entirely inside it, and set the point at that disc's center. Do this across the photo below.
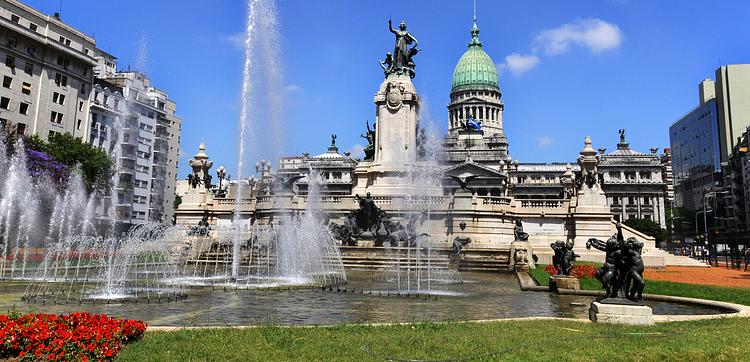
(620, 312)
(521, 255)
(564, 282)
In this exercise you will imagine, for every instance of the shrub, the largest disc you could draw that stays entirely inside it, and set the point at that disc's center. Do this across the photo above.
(579, 271)
(77, 336)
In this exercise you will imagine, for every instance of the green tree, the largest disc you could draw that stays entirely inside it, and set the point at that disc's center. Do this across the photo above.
(648, 227)
(94, 163)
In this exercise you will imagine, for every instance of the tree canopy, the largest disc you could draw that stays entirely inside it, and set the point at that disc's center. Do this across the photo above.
(94, 163)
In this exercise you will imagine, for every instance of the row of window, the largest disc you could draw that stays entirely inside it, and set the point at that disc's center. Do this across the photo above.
(20, 127)
(17, 19)
(631, 200)
(630, 175)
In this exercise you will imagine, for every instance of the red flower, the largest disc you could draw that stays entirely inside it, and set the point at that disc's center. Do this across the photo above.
(77, 336)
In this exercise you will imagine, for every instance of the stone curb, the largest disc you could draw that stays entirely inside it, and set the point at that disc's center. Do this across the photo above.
(733, 310)
(480, 321)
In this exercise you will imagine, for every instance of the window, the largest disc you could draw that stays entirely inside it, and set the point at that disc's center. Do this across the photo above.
(10, 61)
(31, 50)
(78, 125)
(23, 108)
(5, 103)
(32, 26)
(14, 18)
(106, 98)
(52, 134)
(647, 200)
(12, 42)
(645, 175)
(83, 89)
(62, 39)
(26, 88)
(29, 68)
(62, 61)
(80, 106)
(58, 98)
(630, 175)
(56, 117)
(7, 81)
(615, 200)
(647, 216)
(21, 129)
(614, 175)
(61, 80)
(631, 200)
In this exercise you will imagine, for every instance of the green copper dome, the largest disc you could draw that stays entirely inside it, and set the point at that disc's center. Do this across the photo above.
(475, 68)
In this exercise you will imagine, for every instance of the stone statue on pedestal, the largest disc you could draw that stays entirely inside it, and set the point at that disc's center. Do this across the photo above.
(518, 232)
(400, 62)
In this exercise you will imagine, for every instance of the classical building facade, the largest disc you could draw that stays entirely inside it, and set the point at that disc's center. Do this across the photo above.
(479, 190)
(634, 184)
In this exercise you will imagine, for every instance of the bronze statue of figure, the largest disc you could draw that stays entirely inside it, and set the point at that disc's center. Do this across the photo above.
(402, 54)
(622, 135)
(387, 63)
(563, 257)
(370, 137)
(518, 232)
(622, 272)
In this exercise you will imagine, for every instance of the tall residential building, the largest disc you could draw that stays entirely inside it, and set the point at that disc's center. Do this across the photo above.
(733, 104)
(666, 162)
(46, 68)
(55, 80)
(150, 142)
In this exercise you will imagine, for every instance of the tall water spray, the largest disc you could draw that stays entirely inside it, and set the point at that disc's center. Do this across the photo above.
(261, 50)
(244, 129)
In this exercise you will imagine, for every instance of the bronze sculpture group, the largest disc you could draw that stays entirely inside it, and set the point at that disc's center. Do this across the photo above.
(370, 222)
(622, 272)
(563, 257)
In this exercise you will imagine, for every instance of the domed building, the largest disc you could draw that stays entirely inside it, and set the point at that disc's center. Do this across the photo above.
(475, 94)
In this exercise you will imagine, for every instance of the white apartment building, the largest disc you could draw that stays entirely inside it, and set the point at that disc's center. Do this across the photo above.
(149, 147)
(55, 80)
(46, 68)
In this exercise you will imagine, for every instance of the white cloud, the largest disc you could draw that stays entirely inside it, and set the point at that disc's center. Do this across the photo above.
(292, 88)
(357, 151)
(236, 40)
(519, 63)
(595, 34)
(544, 141)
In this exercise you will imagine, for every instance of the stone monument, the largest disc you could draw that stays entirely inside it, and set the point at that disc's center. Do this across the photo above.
(520, 249)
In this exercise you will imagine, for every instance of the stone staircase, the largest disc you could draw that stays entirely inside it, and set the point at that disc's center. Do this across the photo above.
(677, 260)
(374, 258)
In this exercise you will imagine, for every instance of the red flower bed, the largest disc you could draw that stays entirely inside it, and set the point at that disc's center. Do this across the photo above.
(77, 336)
(579, 271)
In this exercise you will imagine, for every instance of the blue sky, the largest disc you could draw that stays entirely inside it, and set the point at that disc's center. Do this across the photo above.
(568, 68)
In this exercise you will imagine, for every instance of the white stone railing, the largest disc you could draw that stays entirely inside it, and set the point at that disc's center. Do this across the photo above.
(494, 200)
(542, 204)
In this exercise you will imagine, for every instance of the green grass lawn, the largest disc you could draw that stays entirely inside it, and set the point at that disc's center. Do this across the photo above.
(723, 294)
(549, 340)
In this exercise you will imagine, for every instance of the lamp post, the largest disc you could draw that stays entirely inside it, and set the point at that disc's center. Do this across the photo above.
(705, 220)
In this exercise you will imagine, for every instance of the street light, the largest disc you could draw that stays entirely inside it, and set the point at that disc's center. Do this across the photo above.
(705, 219)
